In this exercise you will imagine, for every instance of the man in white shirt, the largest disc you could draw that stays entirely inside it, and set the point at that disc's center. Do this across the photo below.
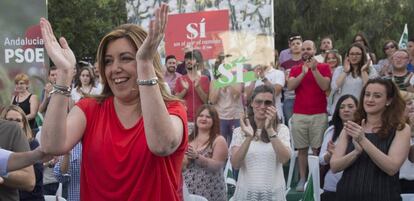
(326, 45)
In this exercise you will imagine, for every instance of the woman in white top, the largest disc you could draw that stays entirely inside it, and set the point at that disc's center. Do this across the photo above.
(259, 148)
(344, 111)
(350, 78)
(84, 85)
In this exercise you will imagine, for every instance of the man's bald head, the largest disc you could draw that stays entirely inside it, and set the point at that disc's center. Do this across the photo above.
(308, 49)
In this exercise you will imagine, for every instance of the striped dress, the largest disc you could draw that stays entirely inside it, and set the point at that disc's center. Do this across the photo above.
(364, 180)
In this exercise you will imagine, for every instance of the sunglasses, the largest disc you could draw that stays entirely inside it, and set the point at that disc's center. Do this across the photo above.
(263, 102)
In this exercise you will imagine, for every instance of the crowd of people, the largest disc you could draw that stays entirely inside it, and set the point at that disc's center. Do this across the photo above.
(128, 123)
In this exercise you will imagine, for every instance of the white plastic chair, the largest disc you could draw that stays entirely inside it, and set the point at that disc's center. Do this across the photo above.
(293, 156)
(313, 162)
(54, 198)
(407, 197)
(197, 198)
(228, 169)
(59, 190)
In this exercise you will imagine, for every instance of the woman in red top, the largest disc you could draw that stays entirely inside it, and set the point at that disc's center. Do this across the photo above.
(134, 135)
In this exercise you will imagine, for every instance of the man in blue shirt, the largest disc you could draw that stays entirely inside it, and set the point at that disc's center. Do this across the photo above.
(410, 49)
(10, 161)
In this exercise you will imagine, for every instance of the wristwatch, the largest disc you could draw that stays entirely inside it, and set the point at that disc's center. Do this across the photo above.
(273, 136)
(263, 79)
(150, 82)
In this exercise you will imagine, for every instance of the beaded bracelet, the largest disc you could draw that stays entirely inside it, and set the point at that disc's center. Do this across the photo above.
(62, 90)
(61, 87)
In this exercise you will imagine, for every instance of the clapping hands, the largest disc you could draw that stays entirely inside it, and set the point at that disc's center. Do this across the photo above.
(270, 119)
(246, 127)
(366, 66)
(191, 152)
(357, 132)
(148, 49)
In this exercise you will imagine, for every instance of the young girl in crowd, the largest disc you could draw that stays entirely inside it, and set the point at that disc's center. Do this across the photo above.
(84, 85)
(333, 58)
(206, 157)
(259, 148)
(371, 150)
(344, 111)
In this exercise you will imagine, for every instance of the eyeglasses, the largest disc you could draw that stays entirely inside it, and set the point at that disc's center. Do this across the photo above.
(389, 47)
(400, 58)
(261, 102)
(15, 120)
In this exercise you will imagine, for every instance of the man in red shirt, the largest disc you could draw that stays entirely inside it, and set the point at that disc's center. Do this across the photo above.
(309, 120)
(193, 87)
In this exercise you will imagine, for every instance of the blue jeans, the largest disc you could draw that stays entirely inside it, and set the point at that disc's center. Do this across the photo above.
(288, 109)
(226, 128)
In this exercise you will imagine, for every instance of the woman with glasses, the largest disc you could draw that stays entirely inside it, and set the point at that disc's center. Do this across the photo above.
(27, 101)
(384, 66)
(259, 149)
(362, 39)
(352, 76)
(16, 114)
(372, 148)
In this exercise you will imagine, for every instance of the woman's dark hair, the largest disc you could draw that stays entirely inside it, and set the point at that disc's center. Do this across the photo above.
(336, 119)
(215, 128)
(364, 40)
(78, 83)
(392, 118)
(258, 90)
(361, 62)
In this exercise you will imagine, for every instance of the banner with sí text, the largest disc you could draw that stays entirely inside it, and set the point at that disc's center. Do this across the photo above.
(198, 30)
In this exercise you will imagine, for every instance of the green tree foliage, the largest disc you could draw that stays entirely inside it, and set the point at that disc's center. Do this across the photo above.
(84, 22)
(380, 20)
